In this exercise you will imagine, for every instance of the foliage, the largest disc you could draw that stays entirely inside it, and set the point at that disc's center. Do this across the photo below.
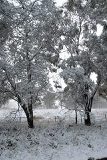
(23, 64)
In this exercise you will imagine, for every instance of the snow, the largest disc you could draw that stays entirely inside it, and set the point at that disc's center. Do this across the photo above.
(55, 136)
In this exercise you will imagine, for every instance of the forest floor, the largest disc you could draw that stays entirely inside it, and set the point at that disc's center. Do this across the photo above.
(54, 137)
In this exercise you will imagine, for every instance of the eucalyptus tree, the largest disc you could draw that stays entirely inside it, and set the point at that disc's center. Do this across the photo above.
(79, 28)
(23, 64)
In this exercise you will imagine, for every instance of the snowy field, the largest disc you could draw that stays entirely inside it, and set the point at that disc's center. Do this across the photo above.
(55, 136)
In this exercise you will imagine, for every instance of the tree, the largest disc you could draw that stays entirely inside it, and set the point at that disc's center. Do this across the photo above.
(23, 64)
(81, 43)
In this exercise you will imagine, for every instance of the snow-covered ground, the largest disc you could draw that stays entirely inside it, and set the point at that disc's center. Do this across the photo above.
(55, 136)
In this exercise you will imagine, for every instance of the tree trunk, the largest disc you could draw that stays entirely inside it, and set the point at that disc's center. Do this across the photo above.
(87, 118)
(76, 119)
(88, 101)
(29, 116)
(30, 120)
(88, 111)
(28, 112)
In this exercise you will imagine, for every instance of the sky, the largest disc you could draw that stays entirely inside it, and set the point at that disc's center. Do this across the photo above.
(60, 2)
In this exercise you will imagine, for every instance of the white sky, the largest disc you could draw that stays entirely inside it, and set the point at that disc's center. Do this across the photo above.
(60, 2)
(99, 29)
